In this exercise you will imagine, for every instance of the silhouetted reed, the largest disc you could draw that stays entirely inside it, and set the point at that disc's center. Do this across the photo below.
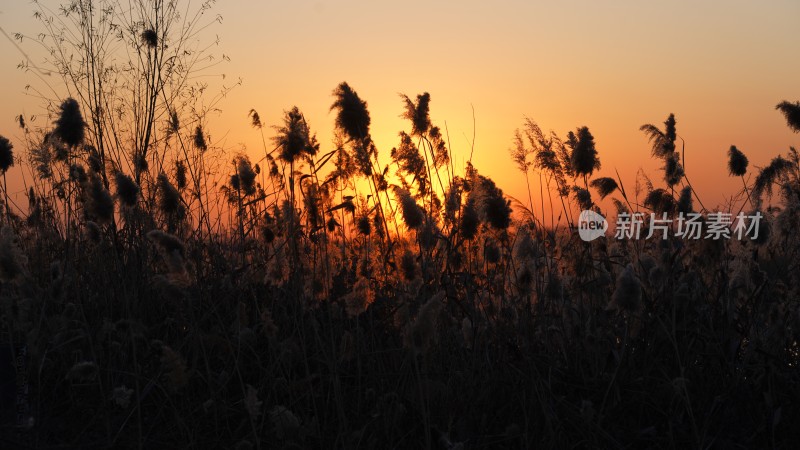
(150, 38)
(6, 154)
(70, 127)
(605, 186)
(169, 198)
(791, 112)
(127, 189)
(413, 215)
(737, 162)
(352, 115)
(583, 156)
(200, 139)
(418, 113)
(99, 204)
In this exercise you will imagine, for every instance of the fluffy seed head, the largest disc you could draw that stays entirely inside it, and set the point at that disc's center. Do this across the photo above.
(469, 220)
(180, 174)
(127, 190)
(170, 198)
(70, 124)
(418, 112)
(791, 111)
(583, 159)
(200, 139)
(737, 162)
(413, 216)
(364, 225)
(605, 186)
(149, 38)
(246, 175)
(100, 205)
(353, 116)
(6, 154)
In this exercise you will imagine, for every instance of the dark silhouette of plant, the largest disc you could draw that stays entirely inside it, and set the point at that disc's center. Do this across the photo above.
(737, 167)
(737, 162)
(662, 142)
(583, 156)
(662, 146)
(127, 190)
(294, 138)
(353, 120)
(352, 115)
(777, 171)
(605, 186)
(791, 111)
(418, 113)
(70, 127)
(6, 161)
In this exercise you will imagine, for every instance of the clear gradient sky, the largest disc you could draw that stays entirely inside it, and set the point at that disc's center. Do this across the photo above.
(720, 66)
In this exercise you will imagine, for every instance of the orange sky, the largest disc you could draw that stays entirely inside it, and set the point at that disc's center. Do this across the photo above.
(721, 67)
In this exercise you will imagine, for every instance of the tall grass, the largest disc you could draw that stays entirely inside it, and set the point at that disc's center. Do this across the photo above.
(316, 298)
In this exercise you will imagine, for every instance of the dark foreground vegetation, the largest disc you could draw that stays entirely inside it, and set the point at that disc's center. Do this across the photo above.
(158, 293)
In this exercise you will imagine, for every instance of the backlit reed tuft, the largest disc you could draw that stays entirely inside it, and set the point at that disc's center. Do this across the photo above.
(737, 162)
(127, 189)
(775, 171)
(149, 38)
(673, 170)
(200, 139)
(70, 125)
(99, 203)
(408, 265)
(413, 216)
(684, 204)
(180, 175)
(170, 198)
(255, 119)
(352, 114)
(791, 111)
(491, 252)
(468, 225)
(428, 234)
(583, 157)
(173, 123)
(409, 159)
(492, 206)
(77, 173)
(418, 112)
(605, 186)
(6, 154)
(294, 137)
(582, 197)
(662, 142)
(660, 201)
(246, 176)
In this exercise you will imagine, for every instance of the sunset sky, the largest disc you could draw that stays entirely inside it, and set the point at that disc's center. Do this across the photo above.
(721, 67)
